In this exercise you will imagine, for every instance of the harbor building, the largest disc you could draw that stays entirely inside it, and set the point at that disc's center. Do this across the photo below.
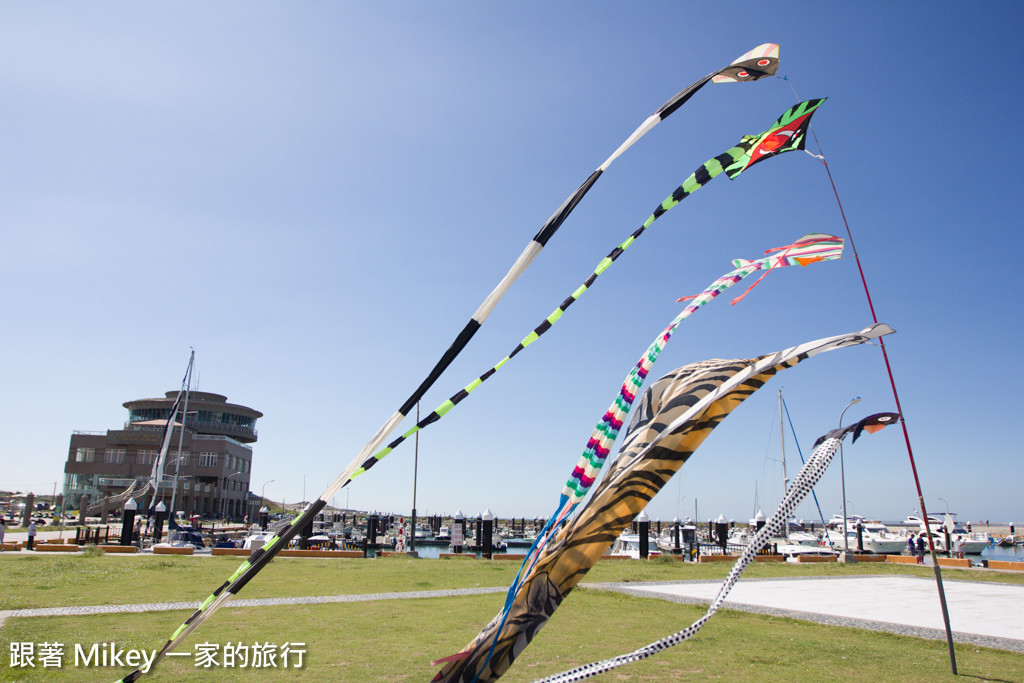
(212, 471)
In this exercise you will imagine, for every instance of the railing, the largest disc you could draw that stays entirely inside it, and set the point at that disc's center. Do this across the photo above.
(115, 483)
(200, 425)
(733, 549)
(196, 426)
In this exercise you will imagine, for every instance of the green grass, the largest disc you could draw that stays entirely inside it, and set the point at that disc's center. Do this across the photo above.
(395, 640)
(67, 580)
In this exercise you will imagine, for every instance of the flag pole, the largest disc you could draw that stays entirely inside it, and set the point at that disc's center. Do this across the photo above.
(899, 409)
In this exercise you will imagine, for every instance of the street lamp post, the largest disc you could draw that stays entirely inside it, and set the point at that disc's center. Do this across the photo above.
(223, 499)
(845, 556)
(415, 472)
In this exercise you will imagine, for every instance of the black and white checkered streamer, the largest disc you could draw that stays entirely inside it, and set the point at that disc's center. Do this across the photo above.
(809, 475)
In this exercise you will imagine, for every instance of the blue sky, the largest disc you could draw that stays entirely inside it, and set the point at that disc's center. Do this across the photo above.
(317, 196)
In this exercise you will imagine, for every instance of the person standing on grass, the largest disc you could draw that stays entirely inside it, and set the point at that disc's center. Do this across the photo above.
(3, 530)
(31, 535)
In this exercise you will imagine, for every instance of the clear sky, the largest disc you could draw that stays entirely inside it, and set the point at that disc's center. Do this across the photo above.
(317, 196)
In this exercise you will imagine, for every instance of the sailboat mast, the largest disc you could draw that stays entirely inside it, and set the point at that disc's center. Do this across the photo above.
(181, 433)
(785, 478)
(782, 439)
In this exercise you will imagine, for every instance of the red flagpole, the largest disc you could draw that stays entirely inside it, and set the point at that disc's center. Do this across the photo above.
(903, 421)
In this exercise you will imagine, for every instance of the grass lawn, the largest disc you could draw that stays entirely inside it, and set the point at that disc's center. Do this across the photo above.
(395, 640)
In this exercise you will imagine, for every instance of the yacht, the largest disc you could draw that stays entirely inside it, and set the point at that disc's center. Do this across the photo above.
(973, 543)
(875, 536)
(792, 551)
(628, 545)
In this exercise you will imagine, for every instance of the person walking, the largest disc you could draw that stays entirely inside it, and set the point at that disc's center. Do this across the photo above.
(920, 549)
(3, 530)
(31, 535)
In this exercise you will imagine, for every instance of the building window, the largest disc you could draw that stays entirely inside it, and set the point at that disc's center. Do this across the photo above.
(207, 459)
(113, 456)
(85, 455)
(145, 457)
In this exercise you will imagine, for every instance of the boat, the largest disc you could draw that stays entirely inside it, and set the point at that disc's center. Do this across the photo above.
(628, 545)
(184, 538)
(798, 535)
(687, 534)
(314, 542)
(875, 537)
(499, 544)
(915, 521)
(739, 536)
(256, 540)
(792, 551)
(971, 543)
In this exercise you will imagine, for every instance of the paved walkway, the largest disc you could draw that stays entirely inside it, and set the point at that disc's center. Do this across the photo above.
(981, 613)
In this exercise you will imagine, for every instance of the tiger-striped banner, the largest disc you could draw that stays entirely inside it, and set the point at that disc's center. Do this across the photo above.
(673, 418)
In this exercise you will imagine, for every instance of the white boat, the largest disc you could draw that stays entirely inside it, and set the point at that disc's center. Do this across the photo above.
(628, 545)
(667, 539)
(971, 543)
(256, 540)
(793, 551)
(739, 536)
(184, 539)
(875, 536)
(801, 537)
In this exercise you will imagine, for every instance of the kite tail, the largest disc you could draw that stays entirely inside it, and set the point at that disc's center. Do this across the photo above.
(531, 557)
(804, 246)
(808, 476)
(606, 431)
(698, 179)
(732, 162)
